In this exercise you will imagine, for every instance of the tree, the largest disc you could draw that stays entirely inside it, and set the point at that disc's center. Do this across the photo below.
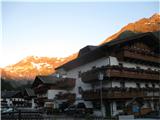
(6, 85)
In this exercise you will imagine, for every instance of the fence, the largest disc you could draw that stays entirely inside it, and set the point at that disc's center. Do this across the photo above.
(21, 116)
(38, 116)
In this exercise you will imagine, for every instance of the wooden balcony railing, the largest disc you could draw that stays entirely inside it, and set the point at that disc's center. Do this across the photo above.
(119, 72)
(90, 76)
(134, 74)
(65, 83)
(92, 95)
(141, 56)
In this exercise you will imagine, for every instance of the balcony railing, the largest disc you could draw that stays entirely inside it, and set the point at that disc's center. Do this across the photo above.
(65, 83)
(120, 93)
(119, 72)
(94, 95)
(139, 55)
(133, 73)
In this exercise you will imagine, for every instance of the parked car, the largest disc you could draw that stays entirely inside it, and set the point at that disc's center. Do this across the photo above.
(4, 109)
(9, 110)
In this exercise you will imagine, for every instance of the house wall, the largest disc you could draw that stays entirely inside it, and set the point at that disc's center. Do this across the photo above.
(52, 93)
(74, 73)
(9, 102)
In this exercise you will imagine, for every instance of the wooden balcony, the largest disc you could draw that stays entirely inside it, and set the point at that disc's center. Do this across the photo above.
(141, 56)
(90, 76)
(110, 95)
(65, 83)
(119, 72)
(133, 74)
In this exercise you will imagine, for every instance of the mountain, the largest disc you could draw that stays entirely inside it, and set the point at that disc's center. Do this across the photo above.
(31, 66)
(143, 25)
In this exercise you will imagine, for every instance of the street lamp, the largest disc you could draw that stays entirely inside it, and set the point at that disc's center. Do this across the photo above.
(100, 77)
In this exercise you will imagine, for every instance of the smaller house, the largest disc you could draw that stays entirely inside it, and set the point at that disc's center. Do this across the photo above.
(53, 91)
(12, 98)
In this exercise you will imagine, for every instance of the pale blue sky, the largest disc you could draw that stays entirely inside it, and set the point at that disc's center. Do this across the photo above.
(59, 29)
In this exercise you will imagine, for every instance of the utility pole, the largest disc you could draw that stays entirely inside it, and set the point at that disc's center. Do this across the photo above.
(101, 94)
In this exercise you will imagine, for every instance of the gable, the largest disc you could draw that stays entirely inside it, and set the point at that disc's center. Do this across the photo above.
(29, 92)
(36, 82)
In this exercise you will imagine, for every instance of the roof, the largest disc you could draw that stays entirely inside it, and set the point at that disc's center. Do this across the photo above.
(8, 94)
(49, 80)
(86, 50)
(100, 51)
(126, 34)
(135, 37)
(30, 92)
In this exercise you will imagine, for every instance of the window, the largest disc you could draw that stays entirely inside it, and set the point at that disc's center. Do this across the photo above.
(153, 85)
(137, 67)
(60, 93)
(146, 85)
(138, 85)
(96, 105)
(58, 75)
(80, 90)
(81, 105)
(122, 84)
(120, 105)
(121, 64)
(79, 74)
(94, 67)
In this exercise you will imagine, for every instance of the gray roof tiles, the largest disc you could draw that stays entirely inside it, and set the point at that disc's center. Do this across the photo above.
(30, 92)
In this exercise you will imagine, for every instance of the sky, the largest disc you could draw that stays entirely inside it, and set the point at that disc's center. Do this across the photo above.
(59, 29)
